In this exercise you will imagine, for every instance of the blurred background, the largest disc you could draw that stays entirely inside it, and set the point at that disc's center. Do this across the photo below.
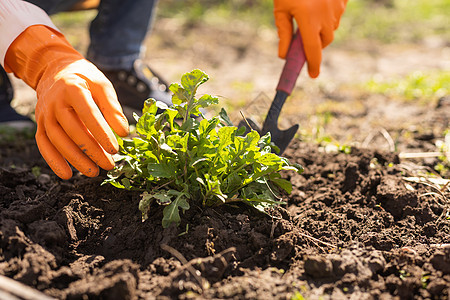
(388, 66)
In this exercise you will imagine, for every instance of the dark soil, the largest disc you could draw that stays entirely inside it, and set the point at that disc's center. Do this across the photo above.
(353, 227)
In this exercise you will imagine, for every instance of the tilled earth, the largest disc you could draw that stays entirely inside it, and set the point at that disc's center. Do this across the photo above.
(357, 225)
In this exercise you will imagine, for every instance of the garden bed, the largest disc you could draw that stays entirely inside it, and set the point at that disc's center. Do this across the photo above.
(356, 225)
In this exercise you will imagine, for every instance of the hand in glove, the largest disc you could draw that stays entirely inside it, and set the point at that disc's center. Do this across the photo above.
(316, 19)
(76, 107)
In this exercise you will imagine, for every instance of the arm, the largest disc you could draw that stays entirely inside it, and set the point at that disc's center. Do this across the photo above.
(15, 17)
(77, 106)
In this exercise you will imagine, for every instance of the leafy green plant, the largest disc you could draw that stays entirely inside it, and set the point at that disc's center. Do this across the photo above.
(178, 159)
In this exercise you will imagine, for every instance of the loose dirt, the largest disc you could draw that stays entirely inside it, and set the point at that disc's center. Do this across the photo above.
(357, 225)
(352, 227)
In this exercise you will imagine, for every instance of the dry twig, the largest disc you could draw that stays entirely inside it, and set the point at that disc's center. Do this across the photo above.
(386, 136)
(13, 290)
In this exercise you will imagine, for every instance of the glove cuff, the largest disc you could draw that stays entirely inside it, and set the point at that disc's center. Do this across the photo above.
(35, 51)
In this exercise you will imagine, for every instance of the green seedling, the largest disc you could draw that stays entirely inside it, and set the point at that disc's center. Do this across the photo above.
(181, 158)
(36, 171)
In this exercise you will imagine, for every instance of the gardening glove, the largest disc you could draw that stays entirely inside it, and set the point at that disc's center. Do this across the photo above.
(76, 103)
(316, 19)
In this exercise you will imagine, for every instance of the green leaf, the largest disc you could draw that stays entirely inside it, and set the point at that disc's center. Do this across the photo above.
(190, 81)
(299, 168)
(171, 213)
(180, 95)
(145, 125)
(188, 125)
(265, 139)
(126, 183)
(207, 100)
(232, 182)
(282, 183)
(241, 131)
(252, 139)
(269, 159)
(161, 170)
(163, 197)
(144, 205)
(114, 183)
(225, 137)
(171, 115)
(150, 107)
(206, 126)
(224, 118)
(178, 143)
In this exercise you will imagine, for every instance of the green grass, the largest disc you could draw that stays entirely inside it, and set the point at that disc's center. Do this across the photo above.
(258, 12)
(387, 21)
(402, 21)
(421, 86)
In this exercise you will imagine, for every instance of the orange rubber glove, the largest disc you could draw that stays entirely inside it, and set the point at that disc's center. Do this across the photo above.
(76, 103)
(316, 19)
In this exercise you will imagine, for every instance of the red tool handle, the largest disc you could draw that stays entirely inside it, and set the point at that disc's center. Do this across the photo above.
(295, 59)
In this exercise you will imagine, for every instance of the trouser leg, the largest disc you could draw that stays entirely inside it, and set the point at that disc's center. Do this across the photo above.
(118, 32)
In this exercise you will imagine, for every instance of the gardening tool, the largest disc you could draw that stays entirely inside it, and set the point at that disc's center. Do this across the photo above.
(295, 60)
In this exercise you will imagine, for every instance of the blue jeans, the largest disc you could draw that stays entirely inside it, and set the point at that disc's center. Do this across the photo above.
(117, 32)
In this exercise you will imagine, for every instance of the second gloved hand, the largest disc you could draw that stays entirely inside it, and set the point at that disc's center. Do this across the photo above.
(316, 19)
(77, 105)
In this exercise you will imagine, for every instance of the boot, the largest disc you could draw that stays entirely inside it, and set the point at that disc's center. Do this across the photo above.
(136, 85)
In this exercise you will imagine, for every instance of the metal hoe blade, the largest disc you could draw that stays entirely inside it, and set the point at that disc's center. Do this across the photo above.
(281, 138)
(295, 60)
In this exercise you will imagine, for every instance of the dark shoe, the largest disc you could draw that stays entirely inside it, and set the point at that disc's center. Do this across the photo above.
(135, 86)
(8, 116)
